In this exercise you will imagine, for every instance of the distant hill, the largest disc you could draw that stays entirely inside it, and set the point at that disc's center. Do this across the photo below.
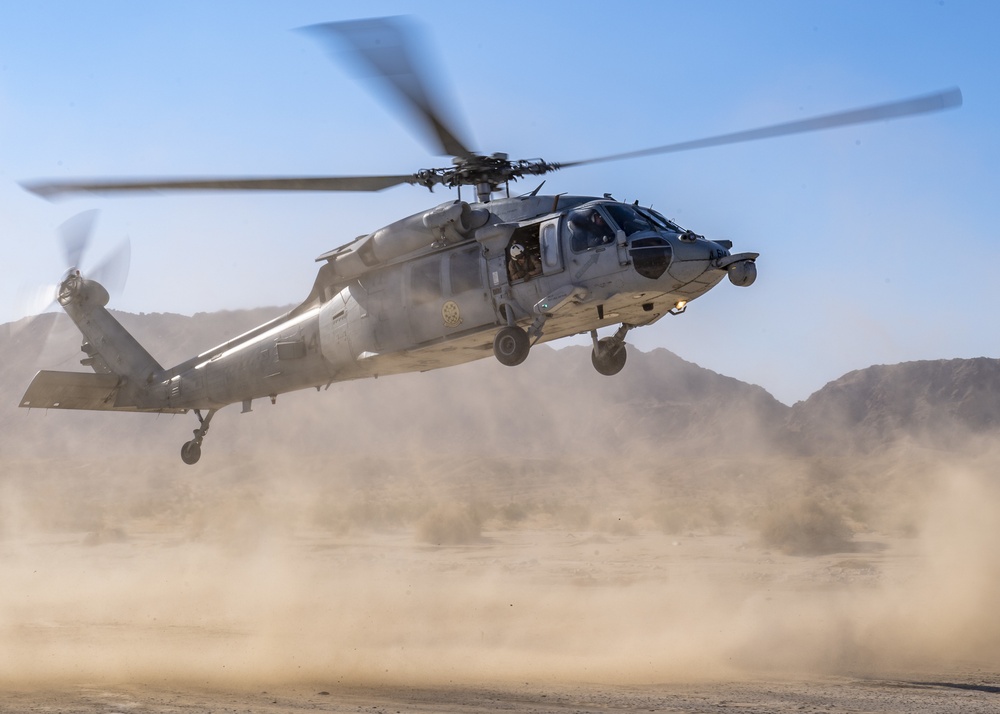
(934, 403)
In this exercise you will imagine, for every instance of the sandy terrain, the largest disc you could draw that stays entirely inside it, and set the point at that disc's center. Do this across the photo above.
(514, 612)
(824, 695)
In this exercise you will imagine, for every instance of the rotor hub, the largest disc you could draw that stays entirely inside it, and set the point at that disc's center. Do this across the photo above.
(486, 173)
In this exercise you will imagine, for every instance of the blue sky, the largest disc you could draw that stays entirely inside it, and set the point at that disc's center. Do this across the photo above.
(878, 243)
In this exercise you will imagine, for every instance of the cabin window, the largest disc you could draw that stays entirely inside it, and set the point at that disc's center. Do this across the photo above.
(551, 260)
(425, 281)
(464, 271)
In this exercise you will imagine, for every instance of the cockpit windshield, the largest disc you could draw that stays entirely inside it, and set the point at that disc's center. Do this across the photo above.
(589, 227)
(628, 219)
(659, 221)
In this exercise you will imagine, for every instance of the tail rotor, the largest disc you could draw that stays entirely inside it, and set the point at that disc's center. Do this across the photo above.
(75, 237)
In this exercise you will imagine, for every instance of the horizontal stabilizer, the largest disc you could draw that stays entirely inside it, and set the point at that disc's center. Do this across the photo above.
(79, 390)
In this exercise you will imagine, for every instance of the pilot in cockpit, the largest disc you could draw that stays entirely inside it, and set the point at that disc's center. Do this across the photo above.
(589, 229)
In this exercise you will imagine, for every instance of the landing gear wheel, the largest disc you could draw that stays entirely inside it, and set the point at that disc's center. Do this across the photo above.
(191, 452)
(511, 346)
(609, 356)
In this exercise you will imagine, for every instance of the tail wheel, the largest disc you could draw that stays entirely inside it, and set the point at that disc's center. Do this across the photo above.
(609, 356)
(511, 346)
(191, 452)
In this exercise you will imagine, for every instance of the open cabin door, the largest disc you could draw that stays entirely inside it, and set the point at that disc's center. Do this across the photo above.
(540, 245)
(550, 247)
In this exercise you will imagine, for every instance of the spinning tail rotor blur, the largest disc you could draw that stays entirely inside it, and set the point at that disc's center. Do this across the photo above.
(75, 238)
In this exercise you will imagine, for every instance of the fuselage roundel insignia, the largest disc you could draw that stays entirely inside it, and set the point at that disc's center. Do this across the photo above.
(451, 314)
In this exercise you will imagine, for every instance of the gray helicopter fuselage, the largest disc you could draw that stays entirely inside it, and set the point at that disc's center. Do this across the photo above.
(432, 290)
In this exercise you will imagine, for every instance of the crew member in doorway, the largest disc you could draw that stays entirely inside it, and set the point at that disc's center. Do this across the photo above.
(522, 263)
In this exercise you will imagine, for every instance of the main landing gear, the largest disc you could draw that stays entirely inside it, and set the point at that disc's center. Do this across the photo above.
(511, 345)
(191, 451)
(609, 353)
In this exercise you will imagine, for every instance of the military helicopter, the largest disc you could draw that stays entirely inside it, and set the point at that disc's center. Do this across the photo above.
(448, 285)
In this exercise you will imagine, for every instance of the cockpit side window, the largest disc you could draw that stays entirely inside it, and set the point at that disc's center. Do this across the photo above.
(588, 228)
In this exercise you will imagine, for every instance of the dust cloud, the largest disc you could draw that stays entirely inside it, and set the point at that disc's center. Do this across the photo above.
(445, 570)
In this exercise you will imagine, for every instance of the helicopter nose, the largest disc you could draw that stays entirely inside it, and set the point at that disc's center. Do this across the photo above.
(692, 256)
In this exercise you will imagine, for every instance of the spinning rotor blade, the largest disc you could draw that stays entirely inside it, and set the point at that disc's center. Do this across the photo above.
(34, 300)
(937, 101)
(386, 49)
(75, 235)
(52, 189)
(112, 272)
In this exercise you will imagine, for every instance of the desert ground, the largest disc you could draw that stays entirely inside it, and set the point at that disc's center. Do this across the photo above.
(397, 585)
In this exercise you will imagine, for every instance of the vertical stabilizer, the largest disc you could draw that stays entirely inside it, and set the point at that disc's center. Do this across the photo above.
(109, 346)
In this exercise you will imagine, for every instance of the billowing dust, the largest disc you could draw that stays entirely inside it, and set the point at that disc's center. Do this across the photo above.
(437, 571)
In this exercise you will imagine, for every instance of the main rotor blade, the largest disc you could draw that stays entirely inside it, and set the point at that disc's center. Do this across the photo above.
(53, 189)
(935, 102)
(386, 49)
